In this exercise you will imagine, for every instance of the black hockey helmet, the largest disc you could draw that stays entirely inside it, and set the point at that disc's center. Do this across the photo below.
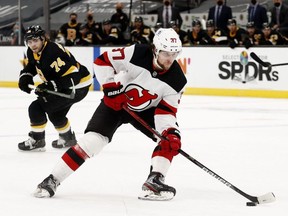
(266, 26)
(138, 19)
(173, 24)
(210, 23)
(250, 25)
(106, 22)
(231, 22)
(83, 26)
(196, 22)
(159, 25)
(34, 31)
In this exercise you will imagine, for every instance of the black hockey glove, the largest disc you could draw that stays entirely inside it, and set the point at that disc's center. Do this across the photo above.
(42, 88)
(25, 80)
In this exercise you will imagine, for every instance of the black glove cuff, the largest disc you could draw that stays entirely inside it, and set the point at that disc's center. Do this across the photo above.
(173, 131)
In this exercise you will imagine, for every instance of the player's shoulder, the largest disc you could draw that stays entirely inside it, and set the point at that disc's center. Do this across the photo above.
(53, 50)
(142, 55)
(54, 47)
(141, 49)
(174, 77)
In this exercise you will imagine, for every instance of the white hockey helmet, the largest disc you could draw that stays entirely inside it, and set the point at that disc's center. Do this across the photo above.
(166, 39)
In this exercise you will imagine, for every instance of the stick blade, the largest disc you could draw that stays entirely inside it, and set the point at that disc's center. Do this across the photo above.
(266, 198)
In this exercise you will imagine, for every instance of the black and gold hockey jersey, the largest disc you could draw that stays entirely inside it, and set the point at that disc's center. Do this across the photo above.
(199, 38)
(58, 64)
(272, 38)
(71, 33)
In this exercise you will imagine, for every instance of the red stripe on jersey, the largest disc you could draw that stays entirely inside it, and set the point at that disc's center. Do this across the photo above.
(70, 162)
(103, 60)
(169, 109)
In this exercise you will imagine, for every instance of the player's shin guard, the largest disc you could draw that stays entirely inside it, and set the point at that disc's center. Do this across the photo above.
(89, 145)
(71, 160)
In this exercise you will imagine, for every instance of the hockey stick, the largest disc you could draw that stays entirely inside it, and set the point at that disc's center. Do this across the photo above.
(266, 198)
(69, 96)
(264, 64)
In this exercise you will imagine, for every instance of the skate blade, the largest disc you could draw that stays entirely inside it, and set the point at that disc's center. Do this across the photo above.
(33, 150)
(151, 196)
(41, 193)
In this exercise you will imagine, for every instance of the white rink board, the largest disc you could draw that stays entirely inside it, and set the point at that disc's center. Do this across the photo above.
(208, 64)
(206, 67)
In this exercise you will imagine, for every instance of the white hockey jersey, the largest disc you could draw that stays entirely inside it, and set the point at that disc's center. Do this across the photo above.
(146, 88)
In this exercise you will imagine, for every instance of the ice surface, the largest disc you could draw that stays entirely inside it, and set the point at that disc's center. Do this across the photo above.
(244, 140)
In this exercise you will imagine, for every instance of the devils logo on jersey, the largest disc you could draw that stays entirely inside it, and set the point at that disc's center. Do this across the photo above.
(139, 98)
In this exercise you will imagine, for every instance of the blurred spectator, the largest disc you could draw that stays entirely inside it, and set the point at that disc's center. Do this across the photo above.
(109, 35)
(257, 14)
(70, 31)
(236, 35)
(15, 34)
(254, 35)
(120, 19)
(140, 33)
(88, 36)
(182, 34)
(220, 14)
(218, 36)
(91, 25)
(270, 36)
(166, 13)
(279, 17)
(198, 36)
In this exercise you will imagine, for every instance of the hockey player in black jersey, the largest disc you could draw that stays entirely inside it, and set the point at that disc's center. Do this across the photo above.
(148, 81)
(60, 72)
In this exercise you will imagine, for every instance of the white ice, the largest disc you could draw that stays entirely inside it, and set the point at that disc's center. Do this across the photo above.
(244, 140)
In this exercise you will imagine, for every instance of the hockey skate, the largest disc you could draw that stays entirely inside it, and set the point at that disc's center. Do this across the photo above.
(65, 140)
(154, 189)
(47, 187)
(35, 142)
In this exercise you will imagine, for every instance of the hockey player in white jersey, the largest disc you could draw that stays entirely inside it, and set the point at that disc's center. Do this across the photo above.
(149, 81)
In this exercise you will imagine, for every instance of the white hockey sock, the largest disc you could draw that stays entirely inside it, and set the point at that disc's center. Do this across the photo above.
(160, 164)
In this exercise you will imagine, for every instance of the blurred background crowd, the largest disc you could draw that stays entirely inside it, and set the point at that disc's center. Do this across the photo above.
(266, 24)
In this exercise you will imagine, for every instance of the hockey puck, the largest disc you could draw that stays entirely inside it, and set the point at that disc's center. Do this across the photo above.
(251, 204)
